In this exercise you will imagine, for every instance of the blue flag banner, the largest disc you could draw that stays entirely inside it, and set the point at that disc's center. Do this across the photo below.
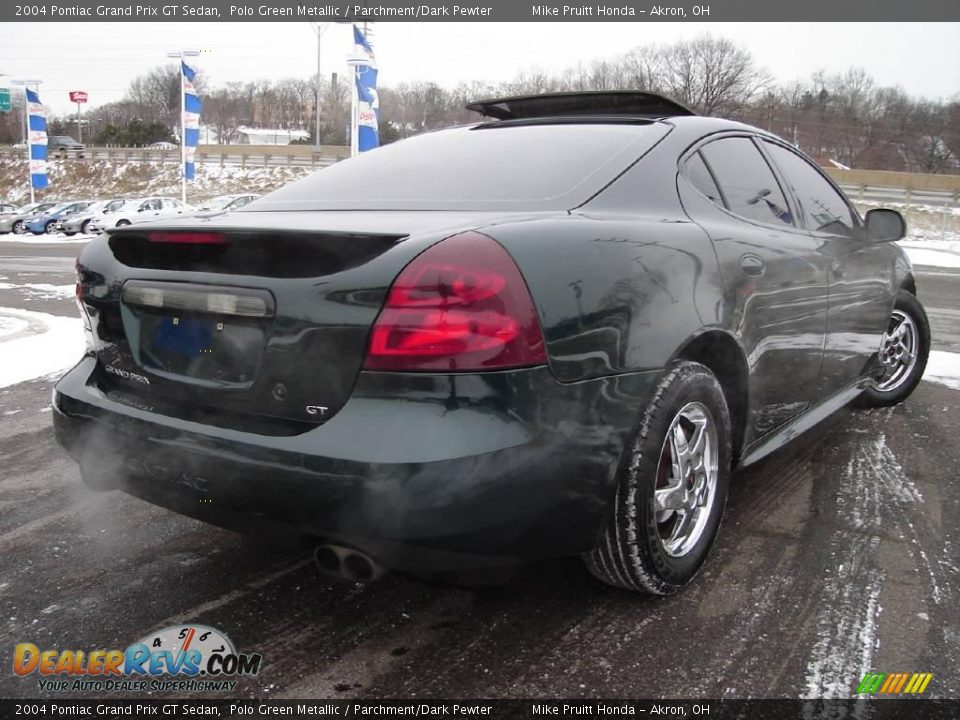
(368, 121)
(37, 124)
(190, 121)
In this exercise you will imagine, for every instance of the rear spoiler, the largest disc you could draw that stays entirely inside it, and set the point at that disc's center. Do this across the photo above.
(581, 104)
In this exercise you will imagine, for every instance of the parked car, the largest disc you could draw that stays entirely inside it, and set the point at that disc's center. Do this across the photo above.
(15, 222)
(64, 146)
(138, 211)
(468, 348)
(7, 209)
(46, 222)
(80, 222)
(224, 204)
(163, 145)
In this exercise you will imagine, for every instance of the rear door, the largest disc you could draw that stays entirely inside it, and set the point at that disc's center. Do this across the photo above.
(774, 274)
(859, 272)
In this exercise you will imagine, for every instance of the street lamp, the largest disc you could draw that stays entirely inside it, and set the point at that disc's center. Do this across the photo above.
(180, 55)
(25, 84)
(319, 29)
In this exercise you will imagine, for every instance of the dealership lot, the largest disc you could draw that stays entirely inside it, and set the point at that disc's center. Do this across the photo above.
(838, 555)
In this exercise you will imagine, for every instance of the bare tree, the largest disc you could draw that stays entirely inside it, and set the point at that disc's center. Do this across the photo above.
(713, 75)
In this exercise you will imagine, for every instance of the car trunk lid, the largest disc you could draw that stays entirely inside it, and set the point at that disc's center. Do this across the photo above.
(257, 322)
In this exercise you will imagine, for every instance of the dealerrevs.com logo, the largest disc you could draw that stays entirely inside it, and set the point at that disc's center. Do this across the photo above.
(176, 659)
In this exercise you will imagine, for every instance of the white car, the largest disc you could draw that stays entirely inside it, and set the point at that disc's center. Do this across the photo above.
(138, 211)
(224, 204)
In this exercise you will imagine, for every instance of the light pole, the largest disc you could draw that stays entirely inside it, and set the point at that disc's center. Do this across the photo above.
(26, 125)
(180, 55)
(319, 29)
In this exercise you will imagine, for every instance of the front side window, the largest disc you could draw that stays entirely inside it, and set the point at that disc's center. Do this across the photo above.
(747, 183)
(824, 209)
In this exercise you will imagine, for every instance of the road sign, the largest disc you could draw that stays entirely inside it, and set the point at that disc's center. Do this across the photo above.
(78, 96)
(5, 105)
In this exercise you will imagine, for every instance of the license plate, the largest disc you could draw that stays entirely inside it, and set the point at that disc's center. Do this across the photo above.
(201, 347)
(186, 336)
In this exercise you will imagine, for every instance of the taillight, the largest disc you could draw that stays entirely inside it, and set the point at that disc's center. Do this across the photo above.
(84, 315)
(187, 238)
(460, 305)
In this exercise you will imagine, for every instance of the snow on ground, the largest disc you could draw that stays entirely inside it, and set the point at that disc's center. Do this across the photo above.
(42, 291)
(34, 344)
(56, 238)
(946, 255)
(11, 325)
(943, 368)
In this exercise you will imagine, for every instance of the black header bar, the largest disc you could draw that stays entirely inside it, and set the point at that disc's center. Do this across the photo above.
(482, 10)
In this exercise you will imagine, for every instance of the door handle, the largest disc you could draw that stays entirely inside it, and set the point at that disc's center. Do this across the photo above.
(752, 264)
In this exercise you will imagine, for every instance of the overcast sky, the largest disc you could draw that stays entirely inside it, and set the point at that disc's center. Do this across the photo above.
(102, 58)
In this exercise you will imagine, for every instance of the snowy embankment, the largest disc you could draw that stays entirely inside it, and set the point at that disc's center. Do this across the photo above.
(98, 179)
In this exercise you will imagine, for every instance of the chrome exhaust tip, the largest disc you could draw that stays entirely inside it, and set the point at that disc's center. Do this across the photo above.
(347, 563)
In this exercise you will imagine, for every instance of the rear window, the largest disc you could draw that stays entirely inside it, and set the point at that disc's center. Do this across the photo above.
(483, 167)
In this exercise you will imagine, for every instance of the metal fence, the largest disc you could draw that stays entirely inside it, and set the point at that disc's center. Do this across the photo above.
(230, 155)
(906, 195)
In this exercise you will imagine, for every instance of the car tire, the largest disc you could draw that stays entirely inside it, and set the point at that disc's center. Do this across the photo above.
(122, 223)
(69, 233)
(50, 227)
(17, 228)
(84, 227)
(646, 547)
(903, 354)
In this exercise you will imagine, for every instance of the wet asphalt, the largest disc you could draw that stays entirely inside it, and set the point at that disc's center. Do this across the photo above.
(838, 555)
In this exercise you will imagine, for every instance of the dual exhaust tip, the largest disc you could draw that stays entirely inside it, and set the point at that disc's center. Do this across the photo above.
(347, 563)
(338, 561)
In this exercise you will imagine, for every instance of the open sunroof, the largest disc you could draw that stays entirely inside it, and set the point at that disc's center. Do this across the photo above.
(582, 104)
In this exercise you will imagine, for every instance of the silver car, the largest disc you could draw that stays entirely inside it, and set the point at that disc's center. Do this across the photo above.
(224, 204)
(16, 222)
(80, 222)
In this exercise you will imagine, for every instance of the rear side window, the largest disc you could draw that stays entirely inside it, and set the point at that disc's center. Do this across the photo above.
(747, 183)
(697, 173)
(824, 209)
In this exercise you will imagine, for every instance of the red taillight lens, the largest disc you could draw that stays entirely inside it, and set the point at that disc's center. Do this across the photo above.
(187, 238)
(461, 305)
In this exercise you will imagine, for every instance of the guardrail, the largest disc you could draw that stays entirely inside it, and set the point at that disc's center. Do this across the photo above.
(254, 156)
(906, 195)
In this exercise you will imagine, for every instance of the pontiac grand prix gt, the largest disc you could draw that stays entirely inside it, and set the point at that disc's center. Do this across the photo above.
(552, 332)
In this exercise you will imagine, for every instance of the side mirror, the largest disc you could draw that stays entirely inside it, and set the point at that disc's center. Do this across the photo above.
(885, 225)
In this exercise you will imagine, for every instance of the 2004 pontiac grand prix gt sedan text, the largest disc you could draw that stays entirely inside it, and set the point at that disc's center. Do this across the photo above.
(553, 332)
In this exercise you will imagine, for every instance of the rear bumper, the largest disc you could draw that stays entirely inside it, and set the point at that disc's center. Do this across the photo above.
(424, 472)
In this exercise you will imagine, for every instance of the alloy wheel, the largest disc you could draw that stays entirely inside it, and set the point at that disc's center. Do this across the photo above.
(899, 349)
(686, 486)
